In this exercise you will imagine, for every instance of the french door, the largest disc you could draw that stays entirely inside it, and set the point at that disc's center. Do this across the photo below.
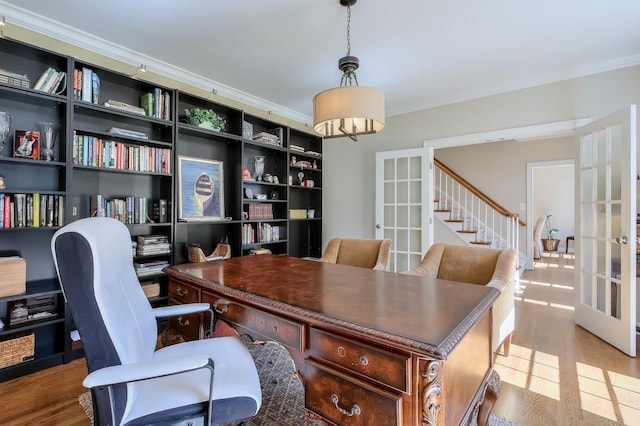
(606, 226)
(404, 181)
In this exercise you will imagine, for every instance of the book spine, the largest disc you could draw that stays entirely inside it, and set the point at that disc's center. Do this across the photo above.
(86, 84)
(43, 208)
(51, 81)
(50, 204)
(36, 210)
(2, 210)
(43, 78)
(95, 87)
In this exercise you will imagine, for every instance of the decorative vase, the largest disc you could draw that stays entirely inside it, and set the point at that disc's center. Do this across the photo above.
(259, 165)
(48, 136)
(550, 245)
(207, 125)
(5, 129)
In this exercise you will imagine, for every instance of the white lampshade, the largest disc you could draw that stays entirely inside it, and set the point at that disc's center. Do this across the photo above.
(348, 111)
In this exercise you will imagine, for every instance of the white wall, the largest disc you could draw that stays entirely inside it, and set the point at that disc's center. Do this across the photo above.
(349, 167)
(554, 193)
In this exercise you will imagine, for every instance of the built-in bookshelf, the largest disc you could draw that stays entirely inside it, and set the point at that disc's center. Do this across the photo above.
(121, 146)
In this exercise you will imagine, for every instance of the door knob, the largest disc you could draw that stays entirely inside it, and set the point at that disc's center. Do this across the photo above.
(622, 240)
(378, 226)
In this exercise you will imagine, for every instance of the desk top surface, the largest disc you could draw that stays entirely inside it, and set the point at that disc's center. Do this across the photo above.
(423, 313)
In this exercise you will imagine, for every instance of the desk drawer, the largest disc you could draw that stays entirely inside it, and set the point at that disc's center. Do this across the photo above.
(348, 401)
(183, 293)
(374, 363)
(187, 325)
(272, 327)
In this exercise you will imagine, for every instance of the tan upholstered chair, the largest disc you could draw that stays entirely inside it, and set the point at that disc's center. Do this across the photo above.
(366, 253)
(478, 265)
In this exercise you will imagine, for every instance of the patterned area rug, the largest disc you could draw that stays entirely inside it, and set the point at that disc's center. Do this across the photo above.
(282, 391)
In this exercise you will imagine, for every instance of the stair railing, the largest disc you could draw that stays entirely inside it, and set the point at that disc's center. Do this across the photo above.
(494, 225)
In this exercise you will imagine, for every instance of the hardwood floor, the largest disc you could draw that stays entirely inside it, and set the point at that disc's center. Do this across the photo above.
(556, 373)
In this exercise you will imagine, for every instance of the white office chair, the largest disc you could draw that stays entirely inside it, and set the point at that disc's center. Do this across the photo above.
(208, 381)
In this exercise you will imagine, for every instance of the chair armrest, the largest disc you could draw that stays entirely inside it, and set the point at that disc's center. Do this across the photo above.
(175, 310)
(187, 308)
(145, 370)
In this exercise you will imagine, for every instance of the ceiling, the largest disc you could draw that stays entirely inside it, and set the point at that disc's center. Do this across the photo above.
(277, 54)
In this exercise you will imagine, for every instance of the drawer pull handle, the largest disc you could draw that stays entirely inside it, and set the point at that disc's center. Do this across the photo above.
(341, 351)
(184, 323)
(364, 360)
(354, 410)
(181, 292)
(221, 310)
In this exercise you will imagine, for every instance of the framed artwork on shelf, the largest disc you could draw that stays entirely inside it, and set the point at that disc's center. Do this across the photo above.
(26, 144)
(200, 189)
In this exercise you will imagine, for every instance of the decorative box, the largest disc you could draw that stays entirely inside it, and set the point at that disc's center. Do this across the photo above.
(16, 350)
(297, 213)
(13, 271)
(151, 290)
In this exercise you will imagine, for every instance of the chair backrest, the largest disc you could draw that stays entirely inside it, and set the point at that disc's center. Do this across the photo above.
(365, 253)
(113, 316)
(466, 264)
(475, 265)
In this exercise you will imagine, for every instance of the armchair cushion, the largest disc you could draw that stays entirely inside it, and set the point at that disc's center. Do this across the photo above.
(365, 253)
(482, 266)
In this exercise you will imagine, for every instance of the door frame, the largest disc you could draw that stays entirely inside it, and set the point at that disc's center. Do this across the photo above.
(529, 214)
(555, 129)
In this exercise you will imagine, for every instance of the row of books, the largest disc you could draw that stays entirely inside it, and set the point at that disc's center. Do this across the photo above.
(128, 209)
(150, 268)
(260, 211)
(149, 245)
(157, 104)
(31, 210)
(86, 85)
(96, 152)
(14, 79)
(51, 81)
(263, 233)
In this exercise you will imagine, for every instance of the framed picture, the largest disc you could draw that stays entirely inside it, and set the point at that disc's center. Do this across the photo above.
(200, 189)
(26, 144)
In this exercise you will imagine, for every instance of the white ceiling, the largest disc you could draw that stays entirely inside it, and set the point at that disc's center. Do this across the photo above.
(279, 53)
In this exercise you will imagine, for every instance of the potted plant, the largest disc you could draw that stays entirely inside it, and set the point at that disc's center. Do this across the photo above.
(550, 243)
(205, 118)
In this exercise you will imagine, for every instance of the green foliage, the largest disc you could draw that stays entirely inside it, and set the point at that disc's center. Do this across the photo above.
(200, 116)
(550, 230)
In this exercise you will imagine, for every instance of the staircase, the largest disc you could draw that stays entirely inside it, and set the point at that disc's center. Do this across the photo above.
(474, 217)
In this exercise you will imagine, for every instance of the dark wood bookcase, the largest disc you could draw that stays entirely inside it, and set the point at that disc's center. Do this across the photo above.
(257, 213)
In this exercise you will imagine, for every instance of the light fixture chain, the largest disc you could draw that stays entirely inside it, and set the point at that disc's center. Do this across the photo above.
(348, 30)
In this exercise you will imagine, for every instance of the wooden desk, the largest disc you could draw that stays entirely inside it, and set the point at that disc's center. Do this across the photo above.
(372, 347)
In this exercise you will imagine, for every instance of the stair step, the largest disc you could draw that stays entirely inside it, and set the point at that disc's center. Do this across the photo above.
(454, 220)
(482, 243)
(442, 211)
(468, 231)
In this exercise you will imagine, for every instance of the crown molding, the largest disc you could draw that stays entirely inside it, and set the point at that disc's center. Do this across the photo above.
(556, 129)
(62, 32)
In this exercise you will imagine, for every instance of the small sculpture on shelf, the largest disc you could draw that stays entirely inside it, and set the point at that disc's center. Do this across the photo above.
(301, 177)
(259, 166)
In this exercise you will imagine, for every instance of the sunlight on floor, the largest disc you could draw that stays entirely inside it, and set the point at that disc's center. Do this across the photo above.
(600, 392)
(594, 395)
(627, 391)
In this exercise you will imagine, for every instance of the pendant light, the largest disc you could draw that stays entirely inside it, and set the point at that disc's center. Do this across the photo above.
(348, 110)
